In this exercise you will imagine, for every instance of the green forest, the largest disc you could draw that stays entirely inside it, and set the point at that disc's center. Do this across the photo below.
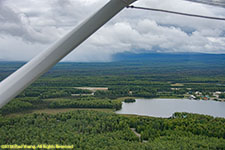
(103, 130)
(54, 110)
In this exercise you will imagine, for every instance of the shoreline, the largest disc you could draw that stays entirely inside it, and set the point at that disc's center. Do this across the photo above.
(121, 99)
(186, 98)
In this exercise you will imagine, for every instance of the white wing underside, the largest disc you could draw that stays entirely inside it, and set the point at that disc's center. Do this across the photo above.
(220, 3)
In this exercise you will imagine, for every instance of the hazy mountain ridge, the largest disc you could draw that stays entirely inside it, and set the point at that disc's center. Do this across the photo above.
(169, 57)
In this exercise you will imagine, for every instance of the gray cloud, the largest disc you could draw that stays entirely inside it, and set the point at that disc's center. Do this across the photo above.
(16, 23)
(40, 23)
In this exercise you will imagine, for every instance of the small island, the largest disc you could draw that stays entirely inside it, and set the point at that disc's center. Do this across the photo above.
(129, 100)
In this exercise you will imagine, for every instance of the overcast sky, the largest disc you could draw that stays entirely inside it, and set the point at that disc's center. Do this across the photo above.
(28, 27)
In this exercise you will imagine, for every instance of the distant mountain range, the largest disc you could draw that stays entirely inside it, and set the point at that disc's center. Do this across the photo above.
(156, 59)
(170, 58)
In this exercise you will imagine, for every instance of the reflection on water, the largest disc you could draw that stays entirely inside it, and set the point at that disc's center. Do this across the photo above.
(166, 107)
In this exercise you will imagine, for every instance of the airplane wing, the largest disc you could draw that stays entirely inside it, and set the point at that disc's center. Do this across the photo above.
(220, 3)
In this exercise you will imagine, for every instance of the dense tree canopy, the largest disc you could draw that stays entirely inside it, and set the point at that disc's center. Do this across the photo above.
(101, 130)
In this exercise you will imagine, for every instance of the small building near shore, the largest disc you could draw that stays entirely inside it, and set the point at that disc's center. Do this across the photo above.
(192, 97)
(198, 93)
(205, 97)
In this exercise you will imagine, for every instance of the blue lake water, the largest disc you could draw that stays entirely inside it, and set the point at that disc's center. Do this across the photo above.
(166, 107)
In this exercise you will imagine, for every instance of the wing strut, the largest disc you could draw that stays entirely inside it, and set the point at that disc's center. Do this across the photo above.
(23, 77)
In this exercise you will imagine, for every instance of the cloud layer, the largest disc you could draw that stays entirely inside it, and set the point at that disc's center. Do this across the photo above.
(27, 27)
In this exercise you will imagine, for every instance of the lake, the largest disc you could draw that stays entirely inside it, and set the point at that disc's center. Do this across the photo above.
(166, 107)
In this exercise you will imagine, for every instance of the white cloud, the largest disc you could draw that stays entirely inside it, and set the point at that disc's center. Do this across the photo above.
(34, 25)
(15, 49)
